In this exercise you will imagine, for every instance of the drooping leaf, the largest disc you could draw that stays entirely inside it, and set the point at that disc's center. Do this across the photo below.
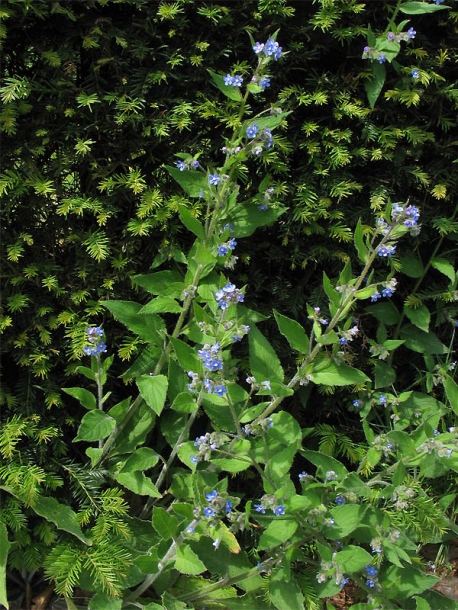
(264, 362)
(352, 559)
(86, 398)
(193, 183)
(419, 316)
(293, 332)
(61, 515)
(4, 548)
(139, 483)
(375, 85)
(419, 8)
(327, 372)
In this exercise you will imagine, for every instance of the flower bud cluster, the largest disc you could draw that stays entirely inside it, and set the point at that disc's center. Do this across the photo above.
(266, 197)
(382, 444)
(388, 290)
(348, 335)
(263, 385)
(260, 139)
(317, 317)
(211, 441)
(260, 428)
(434, 446)
(229, 294)
(402, 36)
(402, 496)
(269, 502)
(95, 344)
(332, 569)
(188, 164)
(408, 215)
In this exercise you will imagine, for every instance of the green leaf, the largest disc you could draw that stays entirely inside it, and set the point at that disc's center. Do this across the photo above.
(95, 426)
(386, 312)
(184, 403)
(193, 183)
(246, 219)
(446, 268)
(277, 532)
(403, 583)
(293, 332)
(186, 355)
(187, 562)
(333, 295)
(139, 483)
(62, 516)
(161, 305)
(286, 430)
(352, 559)
(102, 601)
(4, 548)
(86, 398)
(165, 524)
(375, 85)
(146, 326)
(325, 462)
(233, 93)
(232, 464)
(327, 372)
(347, 518)
(280, 463)
(419, 8)
(153, 390)
(359, 242)
(419, 316)
(164, 283)
(284, 592)
(451, 390)
(422, 604)
(134, 432)
(191, 223)
(420, 341)
(141, 459)
(412, 266)
(384, 374)
(264, 362)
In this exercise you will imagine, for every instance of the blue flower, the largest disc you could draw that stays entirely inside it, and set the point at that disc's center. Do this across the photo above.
(411, 33)
(227, 79)
(382, 58)
(339, 500)
(438, 1)
(303, 476)
(232, 243)
(387, 292)
(222, 250)
(211, 495)
(264, 83)
(371, 570)
(375, 296)
(258, 48)
(181, 166)
(252, 130)
(220, 390)
(386, 251)
(382, 399)
(208, 512)
(237, 81)
(370, 583)
(356, 403)
(260, 509)
(279, 510)
(193, 459)
(344, 581)
(195, 164)
(228, 507)
(343, 341)
(214, 179)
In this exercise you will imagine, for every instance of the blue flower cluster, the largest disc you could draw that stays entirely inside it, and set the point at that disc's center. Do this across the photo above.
(209, 356)
(96, 346)
(370, 572)
(229, 294)
(348, 335)
(266, 197)
(270, 49)
(233, 81)
(415, 74)
(223, 249)
(211, 441)
(387, 291)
